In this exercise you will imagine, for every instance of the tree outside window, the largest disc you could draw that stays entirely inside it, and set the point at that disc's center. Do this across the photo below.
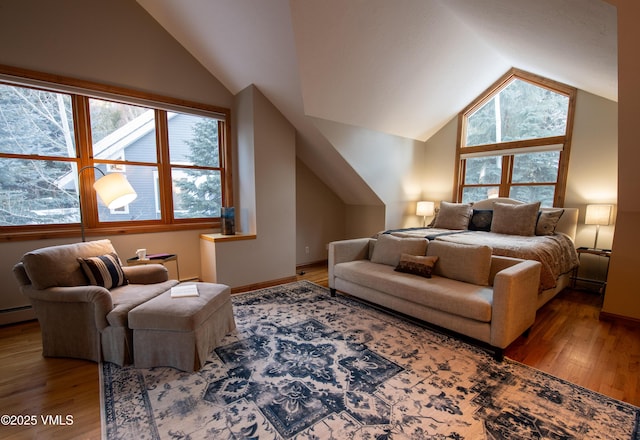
(195, 172)
(37, 148)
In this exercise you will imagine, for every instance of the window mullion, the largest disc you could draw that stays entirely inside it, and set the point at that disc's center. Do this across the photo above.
(506, 178)
(84, 151)
(461, 178)
(225, 164)
(164, 167)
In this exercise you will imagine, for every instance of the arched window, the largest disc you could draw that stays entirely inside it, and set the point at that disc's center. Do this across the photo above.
(514, 141)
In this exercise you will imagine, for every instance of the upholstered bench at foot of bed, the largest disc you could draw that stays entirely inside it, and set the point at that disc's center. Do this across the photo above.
(181, 332)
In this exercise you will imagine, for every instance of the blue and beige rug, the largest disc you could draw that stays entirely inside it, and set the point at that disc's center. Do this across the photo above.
(303, 365)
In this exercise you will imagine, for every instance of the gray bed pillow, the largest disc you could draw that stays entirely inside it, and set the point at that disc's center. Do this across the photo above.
(389, 248)
(515, 219)
(548, 220)
(453, 216)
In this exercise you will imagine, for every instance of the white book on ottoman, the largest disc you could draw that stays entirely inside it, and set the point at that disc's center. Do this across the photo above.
(182, 290)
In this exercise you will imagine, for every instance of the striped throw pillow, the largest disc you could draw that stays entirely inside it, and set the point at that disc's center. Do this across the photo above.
(105, 270)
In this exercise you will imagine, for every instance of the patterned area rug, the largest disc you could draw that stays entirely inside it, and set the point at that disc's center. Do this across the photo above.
(303, 365)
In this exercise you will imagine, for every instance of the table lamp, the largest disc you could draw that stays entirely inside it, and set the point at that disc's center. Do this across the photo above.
(425, 209)
(599, 215)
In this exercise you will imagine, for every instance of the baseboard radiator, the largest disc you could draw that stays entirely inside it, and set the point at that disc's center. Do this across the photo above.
(17, 314)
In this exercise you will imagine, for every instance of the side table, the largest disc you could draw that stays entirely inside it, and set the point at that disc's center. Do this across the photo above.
(606, 253)
(156, 259)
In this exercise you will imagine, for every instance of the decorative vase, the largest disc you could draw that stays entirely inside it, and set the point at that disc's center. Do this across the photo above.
(228, 218)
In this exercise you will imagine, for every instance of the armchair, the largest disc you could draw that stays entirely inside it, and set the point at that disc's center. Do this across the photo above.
(81, 320)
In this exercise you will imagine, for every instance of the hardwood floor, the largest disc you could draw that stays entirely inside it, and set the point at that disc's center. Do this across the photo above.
(31, 385)
(567, 340)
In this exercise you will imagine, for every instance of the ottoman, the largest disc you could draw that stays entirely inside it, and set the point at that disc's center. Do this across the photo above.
(181, 332)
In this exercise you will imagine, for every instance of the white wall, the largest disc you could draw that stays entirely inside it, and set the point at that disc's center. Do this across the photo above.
(593, 165)
(391, 166)
(623, 296)
(113, 42)
(266, 152)
(364, 220)
(439, 167)
(320, 216)
(275, 161)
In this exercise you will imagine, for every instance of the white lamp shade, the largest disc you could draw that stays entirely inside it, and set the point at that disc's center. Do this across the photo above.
(114, 190)
(598, 215)
(425, 209)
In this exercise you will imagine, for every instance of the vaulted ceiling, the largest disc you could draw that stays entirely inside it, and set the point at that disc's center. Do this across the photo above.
(403, 67)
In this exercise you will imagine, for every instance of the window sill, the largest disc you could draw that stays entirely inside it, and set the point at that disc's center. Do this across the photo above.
(74, 231)
(217, 238)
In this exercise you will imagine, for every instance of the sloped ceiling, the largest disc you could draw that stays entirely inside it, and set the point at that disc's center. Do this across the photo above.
(401, 67)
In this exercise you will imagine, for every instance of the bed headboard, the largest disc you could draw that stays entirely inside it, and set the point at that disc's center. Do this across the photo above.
(568, 223)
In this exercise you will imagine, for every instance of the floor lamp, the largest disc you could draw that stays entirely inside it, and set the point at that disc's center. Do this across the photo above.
(599, 215)
(114, 190)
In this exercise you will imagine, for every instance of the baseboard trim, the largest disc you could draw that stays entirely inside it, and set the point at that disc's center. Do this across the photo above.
(606, 316)
(312, 264)
(263, 284)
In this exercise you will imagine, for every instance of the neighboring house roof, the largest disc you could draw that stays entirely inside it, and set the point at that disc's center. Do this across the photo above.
(113, 145)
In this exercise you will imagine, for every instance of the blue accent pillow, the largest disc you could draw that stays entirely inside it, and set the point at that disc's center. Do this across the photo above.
(105, 271)
(481, 220)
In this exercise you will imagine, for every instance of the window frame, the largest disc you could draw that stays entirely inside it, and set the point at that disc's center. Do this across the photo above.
(81, 91)
(508, 149)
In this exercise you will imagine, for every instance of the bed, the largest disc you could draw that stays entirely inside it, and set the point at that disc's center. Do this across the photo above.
(513, 229)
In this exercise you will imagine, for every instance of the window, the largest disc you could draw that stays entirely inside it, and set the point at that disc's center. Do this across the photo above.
(172, 154)
(120, 131)
(195, 166)
(37, 154)
(515, 141)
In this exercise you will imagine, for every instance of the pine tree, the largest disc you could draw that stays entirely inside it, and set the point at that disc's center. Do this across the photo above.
(200, 190)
